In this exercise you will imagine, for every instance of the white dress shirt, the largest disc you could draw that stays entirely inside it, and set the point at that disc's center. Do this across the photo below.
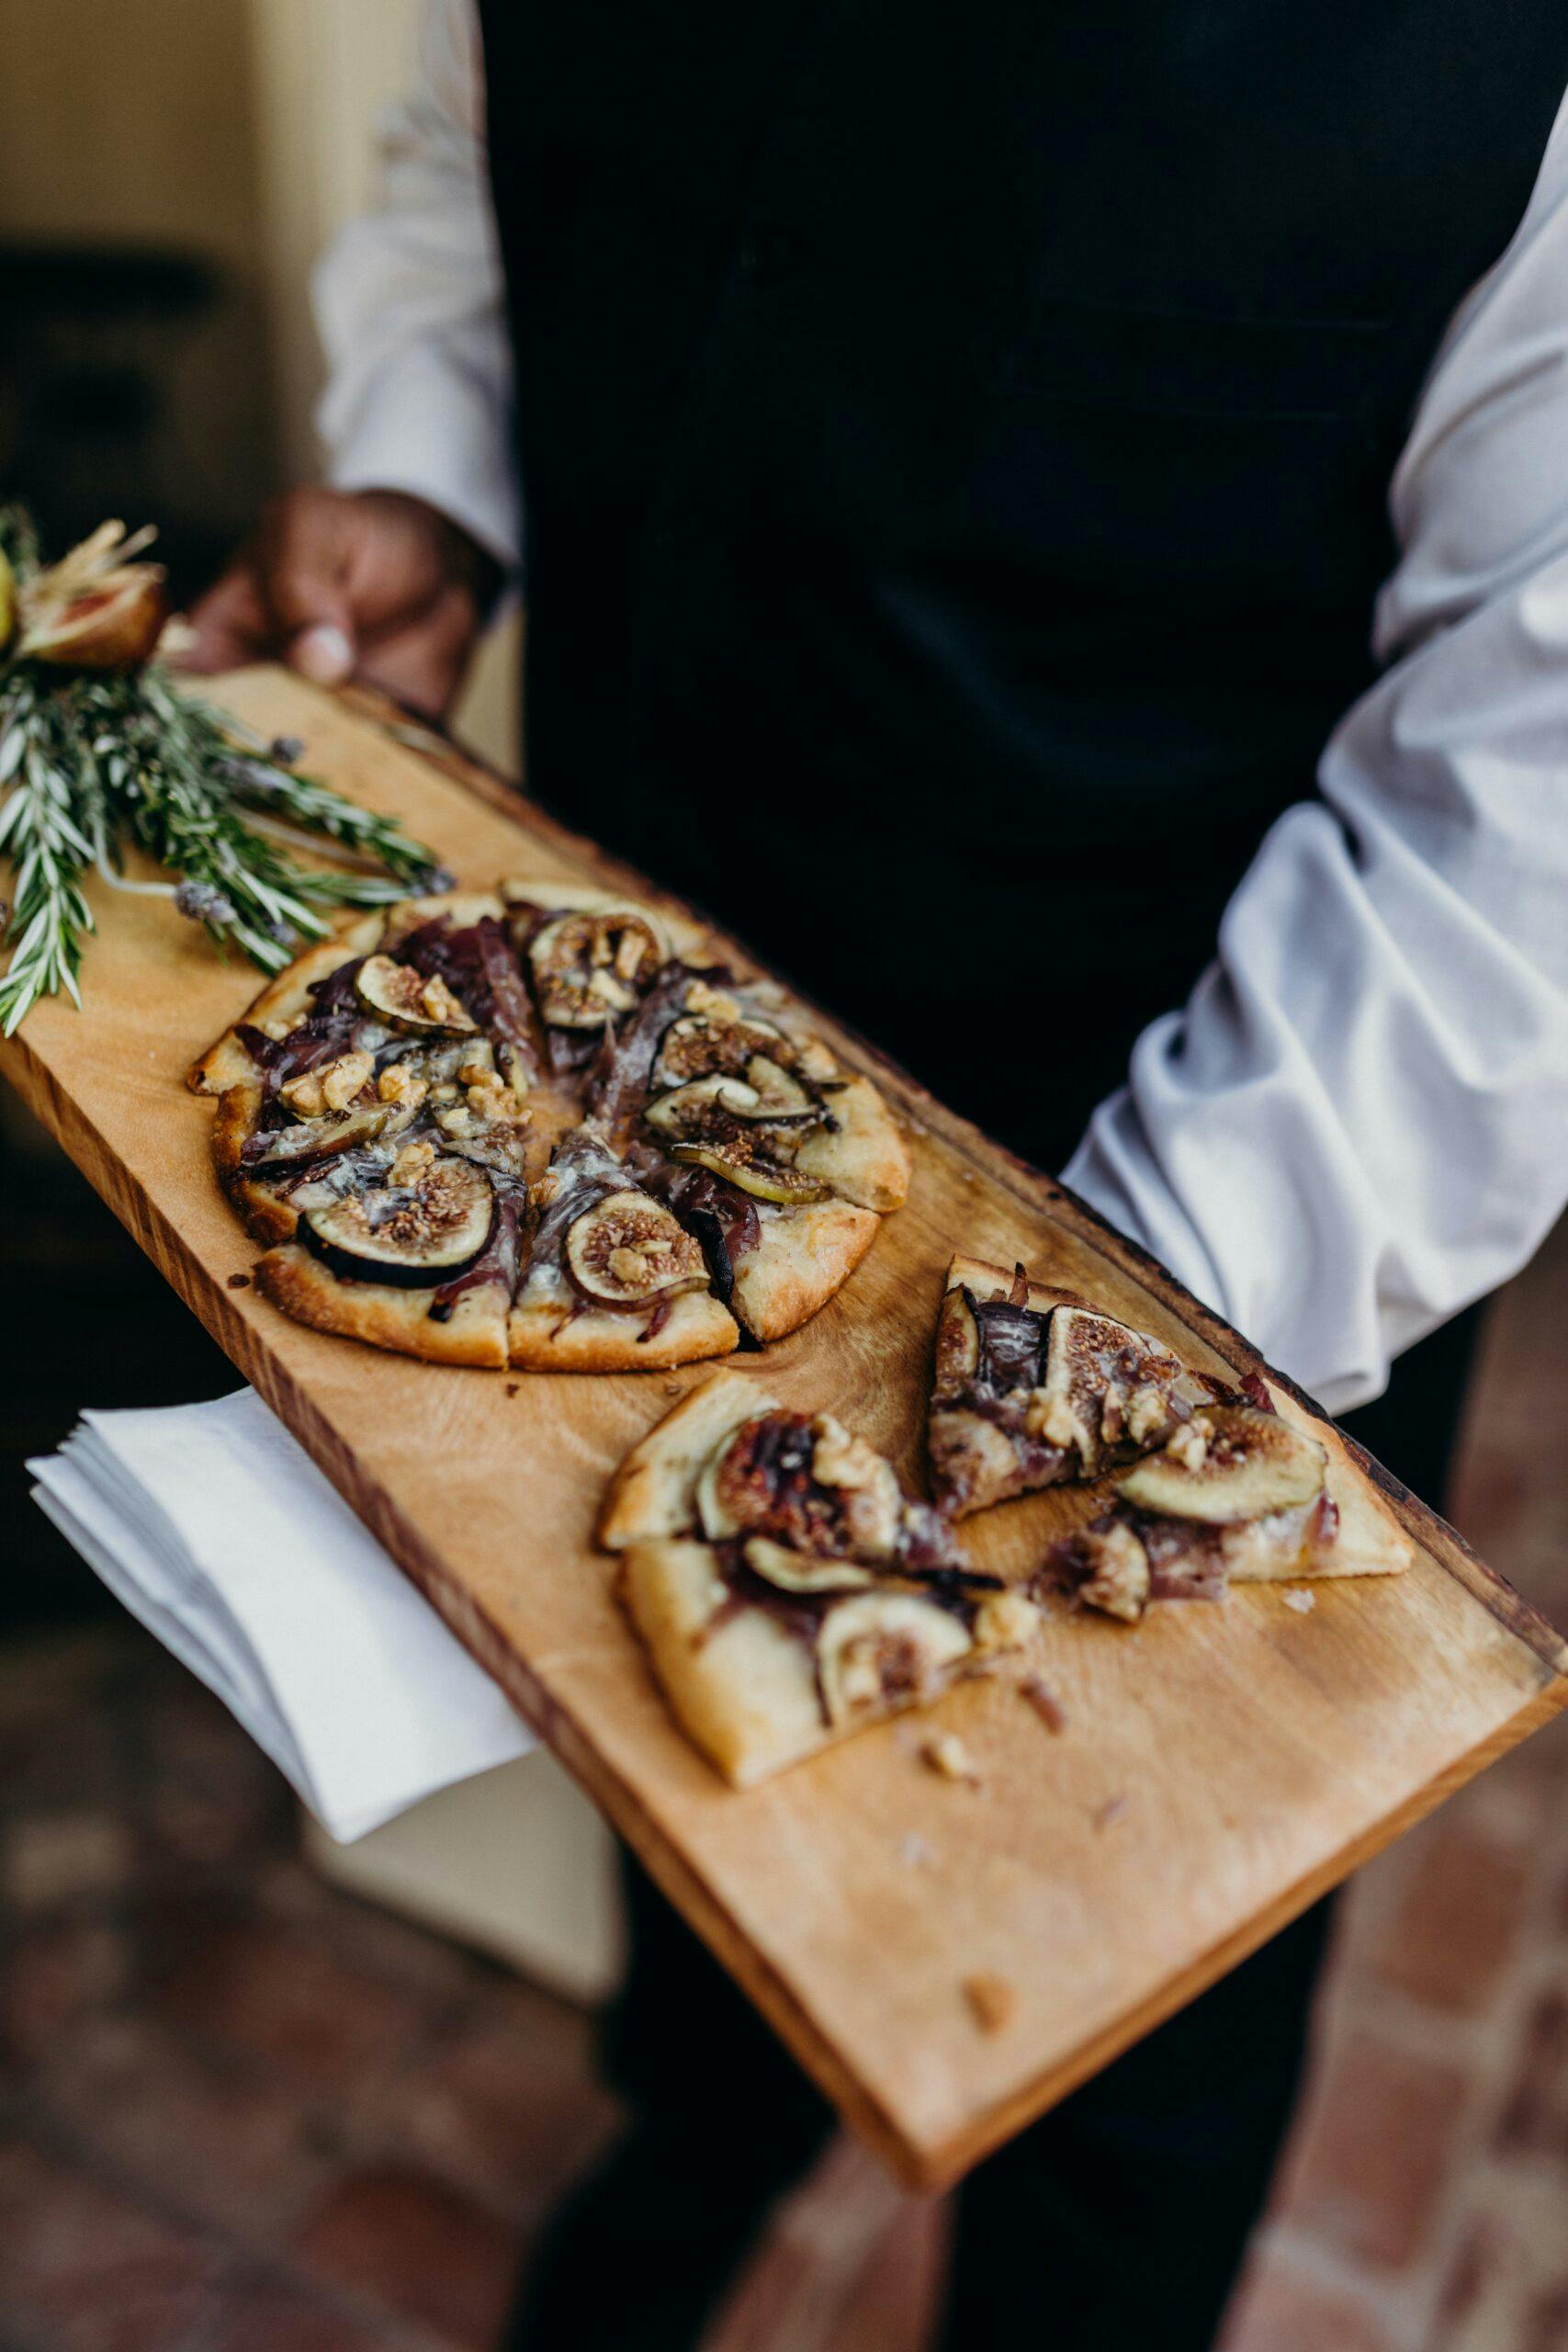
(1359, 1121)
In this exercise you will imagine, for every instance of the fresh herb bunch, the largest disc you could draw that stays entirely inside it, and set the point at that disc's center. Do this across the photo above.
(98, 749)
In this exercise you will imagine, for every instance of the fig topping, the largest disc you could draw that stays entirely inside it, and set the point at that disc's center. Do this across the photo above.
(627, 1251)
(705, 1106)
(413, 1234)
(957, 1346)
(699, 1043)
(881, 1649)
(737, 1161)
(589, 967)
(1247, 1464)
(410, 1001)
(802, 1571)
(316, 1139)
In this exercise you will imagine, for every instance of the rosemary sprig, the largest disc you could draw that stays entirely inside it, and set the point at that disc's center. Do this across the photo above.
(40, 834)
(92, 759)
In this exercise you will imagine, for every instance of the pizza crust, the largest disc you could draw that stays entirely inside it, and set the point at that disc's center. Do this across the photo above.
(803, 1256)
(475, 1333)
(287, 999)
(1370, 1541)
(867, 1160)
(541, 1338)
(653, 1493)
(744, 1691)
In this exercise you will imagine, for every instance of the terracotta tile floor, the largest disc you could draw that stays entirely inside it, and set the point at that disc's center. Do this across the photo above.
(239, 2111)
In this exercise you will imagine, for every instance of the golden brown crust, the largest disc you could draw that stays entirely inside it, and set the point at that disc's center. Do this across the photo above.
(653, 1494)
(867, 1159)
(268, 1218)
(387, 1318)
(744, 1691)
(1370, 1542)
(285, 997)
(540, 1338)
(803, 1256)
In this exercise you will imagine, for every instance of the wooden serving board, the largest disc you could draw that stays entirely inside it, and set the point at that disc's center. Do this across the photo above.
(1220, 1766)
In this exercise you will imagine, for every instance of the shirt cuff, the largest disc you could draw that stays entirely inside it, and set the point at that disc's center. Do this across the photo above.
(426, 425)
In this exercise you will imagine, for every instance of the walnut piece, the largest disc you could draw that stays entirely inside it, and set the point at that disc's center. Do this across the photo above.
(397, 1083)
(410, 1163)
(1118, 1583)
(991, 1999)
(946, 1753)
(1051, 1418)
(1005, 1621)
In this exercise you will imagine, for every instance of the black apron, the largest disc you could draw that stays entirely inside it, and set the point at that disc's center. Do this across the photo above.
(954, 445)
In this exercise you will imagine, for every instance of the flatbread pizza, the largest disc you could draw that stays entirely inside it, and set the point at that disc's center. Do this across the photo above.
(542, 1127)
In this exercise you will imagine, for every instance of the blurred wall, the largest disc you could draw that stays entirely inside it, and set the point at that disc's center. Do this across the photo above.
(241, 132)
(134, 122)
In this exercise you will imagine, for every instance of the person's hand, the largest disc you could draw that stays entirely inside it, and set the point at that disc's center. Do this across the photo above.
(371, 584)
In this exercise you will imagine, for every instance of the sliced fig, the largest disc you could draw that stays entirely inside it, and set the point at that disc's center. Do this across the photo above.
(801, 1571)
(1099, 1375)
(410, 1001)
(957, 1345)
(737, 1162)
(701, 1043)
(1234, 1463)
(880, 1650)
(627, 1251)
(414, 1236)
(339, 1131)
(588, 969)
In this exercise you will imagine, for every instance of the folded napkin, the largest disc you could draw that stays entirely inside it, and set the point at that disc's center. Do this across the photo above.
(219, 1534)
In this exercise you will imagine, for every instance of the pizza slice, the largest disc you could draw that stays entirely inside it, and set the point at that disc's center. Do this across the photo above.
(1033, 1387)
(1239, 1494)
(788, 1592)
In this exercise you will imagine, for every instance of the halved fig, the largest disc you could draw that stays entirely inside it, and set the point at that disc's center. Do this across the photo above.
(700, 1042)
(338, 1131)
(739, 1165)
(627, 1251)
(589, 967)
(1248, 1464)
(94, 609)
(414, 1236)
(957, 1344)
(883, 1649)
(408, 1000)
(801, 1571)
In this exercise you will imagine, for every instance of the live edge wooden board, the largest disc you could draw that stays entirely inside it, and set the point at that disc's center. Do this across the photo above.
(1219, 1767)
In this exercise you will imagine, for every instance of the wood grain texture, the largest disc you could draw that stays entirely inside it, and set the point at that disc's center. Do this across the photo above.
(1218, 1768)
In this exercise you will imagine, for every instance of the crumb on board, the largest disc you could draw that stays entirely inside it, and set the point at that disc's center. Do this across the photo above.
(239, 1281)
(513, 1386)
(946, 1753)
(1108, 1814)
(991, 1999)
(914, 1850)
(1300, 1601)
(1044, 1701)
(672, 1388)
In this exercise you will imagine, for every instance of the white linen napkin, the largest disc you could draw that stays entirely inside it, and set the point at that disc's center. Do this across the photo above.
(217, 1530)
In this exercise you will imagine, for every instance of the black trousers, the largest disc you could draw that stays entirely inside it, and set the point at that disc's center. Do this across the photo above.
(1117, 2221)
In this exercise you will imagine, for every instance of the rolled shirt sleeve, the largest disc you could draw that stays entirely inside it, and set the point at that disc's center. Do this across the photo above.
(409, 306)
(1358, 1122)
